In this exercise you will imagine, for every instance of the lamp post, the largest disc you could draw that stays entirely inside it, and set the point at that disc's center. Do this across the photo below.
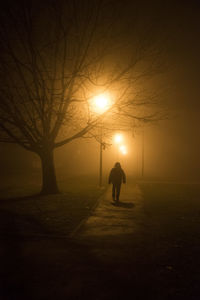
(100, 104)
(142, 171)
(100, 157)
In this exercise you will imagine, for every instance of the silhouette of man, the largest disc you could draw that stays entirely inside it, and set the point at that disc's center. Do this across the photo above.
(116, 177)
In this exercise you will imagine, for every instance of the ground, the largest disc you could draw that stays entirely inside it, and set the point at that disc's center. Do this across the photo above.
(147, 247)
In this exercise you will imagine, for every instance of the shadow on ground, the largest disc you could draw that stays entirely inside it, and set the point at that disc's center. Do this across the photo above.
(123, 204)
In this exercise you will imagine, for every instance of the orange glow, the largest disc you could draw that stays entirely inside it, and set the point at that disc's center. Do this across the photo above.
(123, 149)
(101, 103)
(118, 138)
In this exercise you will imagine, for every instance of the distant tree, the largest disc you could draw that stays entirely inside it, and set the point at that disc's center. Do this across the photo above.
(55, 57)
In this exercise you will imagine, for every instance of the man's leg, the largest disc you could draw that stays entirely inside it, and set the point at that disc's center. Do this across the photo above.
(118, 187)
(113, 192)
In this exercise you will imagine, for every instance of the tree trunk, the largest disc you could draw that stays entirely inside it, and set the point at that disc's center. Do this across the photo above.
(49, 182)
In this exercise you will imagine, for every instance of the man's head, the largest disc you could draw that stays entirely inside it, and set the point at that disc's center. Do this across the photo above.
(117, 165)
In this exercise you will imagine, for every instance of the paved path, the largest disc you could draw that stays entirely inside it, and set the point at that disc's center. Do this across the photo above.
(109, 219)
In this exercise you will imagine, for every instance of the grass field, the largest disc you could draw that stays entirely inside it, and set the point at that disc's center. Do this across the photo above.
(171, 238)
(24, 212)
(173, 208)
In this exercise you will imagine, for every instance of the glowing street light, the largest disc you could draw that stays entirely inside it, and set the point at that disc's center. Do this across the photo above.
(123, 149)
(118, 138)
(101, 103)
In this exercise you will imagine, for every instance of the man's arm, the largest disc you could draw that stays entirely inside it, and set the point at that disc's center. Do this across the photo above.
(110, 177)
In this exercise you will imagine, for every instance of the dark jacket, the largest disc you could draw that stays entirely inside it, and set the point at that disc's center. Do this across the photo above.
(116, 176)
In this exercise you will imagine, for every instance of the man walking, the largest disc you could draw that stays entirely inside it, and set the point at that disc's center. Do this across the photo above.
(116, 177)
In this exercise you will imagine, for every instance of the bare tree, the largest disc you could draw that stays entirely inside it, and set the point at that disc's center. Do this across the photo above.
(55, 56)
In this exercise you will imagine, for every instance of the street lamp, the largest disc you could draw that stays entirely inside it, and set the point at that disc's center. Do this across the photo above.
(100, 104)
(118, 138)
(123, 149)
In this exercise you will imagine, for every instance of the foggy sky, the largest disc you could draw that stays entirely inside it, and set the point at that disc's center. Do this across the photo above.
(172, 147)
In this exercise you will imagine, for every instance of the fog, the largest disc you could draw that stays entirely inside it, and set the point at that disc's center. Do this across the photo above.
(171, 152)
(171, 147)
